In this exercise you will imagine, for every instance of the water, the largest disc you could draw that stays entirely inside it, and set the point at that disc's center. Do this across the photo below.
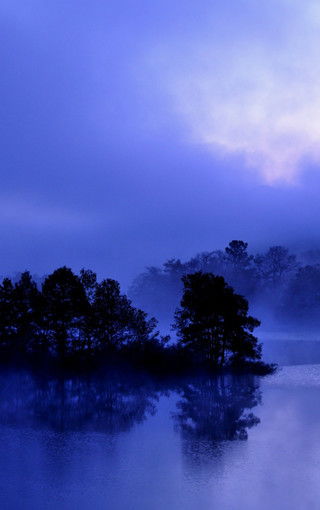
(126, 443)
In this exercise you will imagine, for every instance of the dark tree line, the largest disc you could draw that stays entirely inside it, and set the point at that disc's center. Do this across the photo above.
(71, 315)
(77, 318)
(277, 281)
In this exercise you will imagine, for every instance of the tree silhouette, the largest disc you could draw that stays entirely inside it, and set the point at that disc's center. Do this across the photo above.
(78, 320)
(158, 289)
(276, 265)
(7, 316)
(237, 254)
(109, 315)
(89, 281)
(28, 308)
(213, 322)
(65, 305)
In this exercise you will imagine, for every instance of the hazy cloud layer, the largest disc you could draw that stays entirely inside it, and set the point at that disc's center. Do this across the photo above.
(247, 79)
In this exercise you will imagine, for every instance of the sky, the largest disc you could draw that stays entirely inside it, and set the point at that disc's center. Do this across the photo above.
(135, 131)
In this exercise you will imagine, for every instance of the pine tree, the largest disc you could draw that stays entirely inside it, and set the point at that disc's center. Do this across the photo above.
(213, 324)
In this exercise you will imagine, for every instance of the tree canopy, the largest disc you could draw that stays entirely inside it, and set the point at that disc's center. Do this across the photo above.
(74, 318)
(267, 279)
(213, 322)
(70, 315)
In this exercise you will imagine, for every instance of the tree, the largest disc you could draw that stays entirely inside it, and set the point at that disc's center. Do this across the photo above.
(108, 312)
(27, 304)
(158, 289)
(275, 266)
(7, 316)
(237, 254)
(239, 268)
(65, 306)
(115, 321)
(89, 281)
(213, 324)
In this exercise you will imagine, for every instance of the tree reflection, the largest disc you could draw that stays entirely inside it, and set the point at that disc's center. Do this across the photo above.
(110, 405)
(215, 410)
(209, 411)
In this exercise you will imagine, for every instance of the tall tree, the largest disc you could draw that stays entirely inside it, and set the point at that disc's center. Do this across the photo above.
(276, 265)
(65, 306)
(8, 317)
(28, 311)
(237, 254)
(89, 281)
(213, 322)
(109, 315)
(115, 321)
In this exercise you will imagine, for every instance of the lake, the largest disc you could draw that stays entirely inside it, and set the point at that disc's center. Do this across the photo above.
(132, 443)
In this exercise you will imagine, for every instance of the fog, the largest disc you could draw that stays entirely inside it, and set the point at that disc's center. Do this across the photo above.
(282, 289)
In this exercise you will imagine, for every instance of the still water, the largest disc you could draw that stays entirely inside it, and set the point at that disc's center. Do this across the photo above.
(120, 443)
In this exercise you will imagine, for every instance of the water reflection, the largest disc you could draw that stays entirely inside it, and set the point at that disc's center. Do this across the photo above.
(109, 404)
(160, 444)
(209, 409)
(218, 409)
(212, 411)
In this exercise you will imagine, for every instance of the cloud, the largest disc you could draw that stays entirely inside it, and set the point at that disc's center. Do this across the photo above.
(249, 83)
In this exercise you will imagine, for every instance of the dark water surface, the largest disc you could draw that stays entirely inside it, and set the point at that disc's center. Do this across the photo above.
(123, 443)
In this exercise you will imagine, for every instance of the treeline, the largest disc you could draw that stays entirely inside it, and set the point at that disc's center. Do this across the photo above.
(77, 319)
(278, 282)
(72, 317)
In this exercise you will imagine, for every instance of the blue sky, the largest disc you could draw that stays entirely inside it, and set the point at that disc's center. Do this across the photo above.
(133, 131)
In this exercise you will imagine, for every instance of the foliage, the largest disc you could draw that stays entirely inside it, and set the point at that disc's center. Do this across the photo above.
(69, 316)
(276, 265)
(76, 319)
(213, 321)
(271, 280)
